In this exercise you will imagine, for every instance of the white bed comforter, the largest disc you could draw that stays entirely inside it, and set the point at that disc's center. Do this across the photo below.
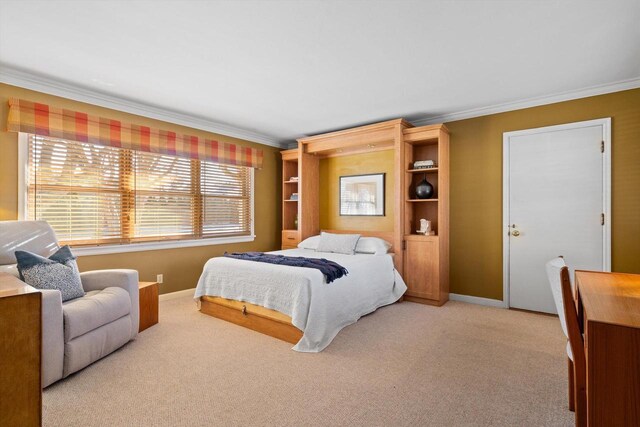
(319, 309)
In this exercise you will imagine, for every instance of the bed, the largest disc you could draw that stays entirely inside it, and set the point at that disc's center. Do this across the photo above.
(296, 304)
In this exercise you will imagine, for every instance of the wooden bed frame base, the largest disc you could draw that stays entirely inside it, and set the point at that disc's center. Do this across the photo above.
(264, 320)
(260, 319)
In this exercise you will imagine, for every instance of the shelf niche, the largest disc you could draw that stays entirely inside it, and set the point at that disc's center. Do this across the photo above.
(289, 207)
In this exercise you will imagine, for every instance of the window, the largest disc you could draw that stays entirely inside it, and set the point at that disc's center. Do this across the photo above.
(94, 195)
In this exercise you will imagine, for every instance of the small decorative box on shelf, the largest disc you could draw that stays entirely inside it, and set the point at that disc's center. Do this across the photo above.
(424, 164)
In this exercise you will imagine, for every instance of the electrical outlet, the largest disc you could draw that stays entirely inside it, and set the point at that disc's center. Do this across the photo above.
(159, 279)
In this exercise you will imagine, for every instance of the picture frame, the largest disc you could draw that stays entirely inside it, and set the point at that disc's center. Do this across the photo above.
(362, 195)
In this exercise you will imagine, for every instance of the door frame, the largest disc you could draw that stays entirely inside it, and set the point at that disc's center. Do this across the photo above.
(606, 178)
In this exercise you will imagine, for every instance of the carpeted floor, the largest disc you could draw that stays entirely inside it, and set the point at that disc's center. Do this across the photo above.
(406, 364)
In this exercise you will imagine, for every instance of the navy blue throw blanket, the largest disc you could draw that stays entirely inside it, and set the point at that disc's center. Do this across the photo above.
(331, 270)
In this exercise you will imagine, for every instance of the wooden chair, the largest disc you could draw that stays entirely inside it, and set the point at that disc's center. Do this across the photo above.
(558, 274)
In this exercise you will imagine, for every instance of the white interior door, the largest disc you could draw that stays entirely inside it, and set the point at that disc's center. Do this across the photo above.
(556, 189)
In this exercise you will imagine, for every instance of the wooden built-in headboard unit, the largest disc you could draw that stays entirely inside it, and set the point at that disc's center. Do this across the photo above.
(422, 260)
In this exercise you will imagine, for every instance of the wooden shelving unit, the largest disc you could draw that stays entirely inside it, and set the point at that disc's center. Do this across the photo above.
(290, 235)
(426, 257)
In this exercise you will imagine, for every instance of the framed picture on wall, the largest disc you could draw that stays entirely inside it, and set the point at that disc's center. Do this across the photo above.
(362, 195)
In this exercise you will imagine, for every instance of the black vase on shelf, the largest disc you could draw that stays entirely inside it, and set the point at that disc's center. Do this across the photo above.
(424, 190)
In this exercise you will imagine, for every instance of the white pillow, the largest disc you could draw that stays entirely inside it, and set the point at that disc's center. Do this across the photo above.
(372, 245)
(338, 243)
(310, 243)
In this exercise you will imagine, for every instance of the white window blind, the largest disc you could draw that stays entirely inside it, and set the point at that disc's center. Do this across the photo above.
(226, 207)
(93, 195)
(164, 197)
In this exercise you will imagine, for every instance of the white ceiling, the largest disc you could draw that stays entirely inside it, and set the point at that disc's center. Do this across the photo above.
(284, 69)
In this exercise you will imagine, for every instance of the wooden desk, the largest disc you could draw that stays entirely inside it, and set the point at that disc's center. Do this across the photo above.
(148, 295)
(609, 305)
(20, 353)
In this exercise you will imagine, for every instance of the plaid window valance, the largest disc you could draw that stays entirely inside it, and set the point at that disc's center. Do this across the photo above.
(41, 119)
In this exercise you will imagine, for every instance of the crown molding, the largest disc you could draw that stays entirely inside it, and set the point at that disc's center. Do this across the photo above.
(40, 83)
(531, 102)
(25, 79)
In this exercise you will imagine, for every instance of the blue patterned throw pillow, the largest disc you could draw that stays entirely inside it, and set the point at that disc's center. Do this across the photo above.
(59, 271)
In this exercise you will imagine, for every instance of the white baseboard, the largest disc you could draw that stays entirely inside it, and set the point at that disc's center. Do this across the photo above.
(477, 300)
(177, 294)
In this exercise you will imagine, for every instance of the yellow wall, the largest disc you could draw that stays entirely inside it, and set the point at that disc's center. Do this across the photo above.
(476, 185)
(476, 191)
(181, 267)
(332, 168)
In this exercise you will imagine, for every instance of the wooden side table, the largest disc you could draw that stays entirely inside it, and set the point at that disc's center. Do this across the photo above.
(20, 353)
(149, 292)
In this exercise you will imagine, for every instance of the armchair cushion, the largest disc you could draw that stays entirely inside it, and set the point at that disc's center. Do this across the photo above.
(96, 344)
(120, 278)
(97, 308)
(59, 271)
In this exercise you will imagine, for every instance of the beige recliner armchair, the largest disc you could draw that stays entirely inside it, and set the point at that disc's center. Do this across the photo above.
(78, 332)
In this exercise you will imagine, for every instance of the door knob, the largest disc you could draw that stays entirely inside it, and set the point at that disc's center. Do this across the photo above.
(515, 233)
